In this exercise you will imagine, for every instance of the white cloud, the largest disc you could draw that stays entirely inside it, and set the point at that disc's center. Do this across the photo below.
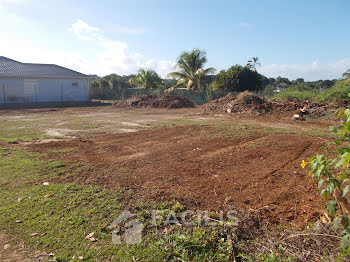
(115, 56)
(310, 72)
(108, 55)
(83, 31)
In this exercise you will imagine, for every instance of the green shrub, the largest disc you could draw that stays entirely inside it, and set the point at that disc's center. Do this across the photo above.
(338, 92)
(293, 93)
(332, 175)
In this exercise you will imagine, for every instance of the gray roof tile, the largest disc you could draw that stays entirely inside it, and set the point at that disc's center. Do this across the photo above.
(9, 67)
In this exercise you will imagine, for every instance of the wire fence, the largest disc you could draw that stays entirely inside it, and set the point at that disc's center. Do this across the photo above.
(198, 97)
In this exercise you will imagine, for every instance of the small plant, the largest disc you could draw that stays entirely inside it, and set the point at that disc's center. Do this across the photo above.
(332, 175)
(196, 244)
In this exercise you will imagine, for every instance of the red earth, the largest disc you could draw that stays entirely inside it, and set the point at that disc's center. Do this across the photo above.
(203, 167)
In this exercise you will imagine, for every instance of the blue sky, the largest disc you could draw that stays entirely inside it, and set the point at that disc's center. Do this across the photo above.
(308, 39)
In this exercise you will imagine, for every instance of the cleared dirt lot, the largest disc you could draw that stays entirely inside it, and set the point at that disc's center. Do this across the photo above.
(260, 171)
(205, 161)
(136, 159)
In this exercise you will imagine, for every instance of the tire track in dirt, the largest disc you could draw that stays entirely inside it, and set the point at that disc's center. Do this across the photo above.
(290, 161)
(227, 149)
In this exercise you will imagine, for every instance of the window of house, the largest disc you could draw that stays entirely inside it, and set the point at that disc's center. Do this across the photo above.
(75, 84)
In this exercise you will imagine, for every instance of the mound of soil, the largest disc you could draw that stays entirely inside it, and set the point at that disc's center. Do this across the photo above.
(247, 102)
(163, 101)
(219, 104)
(244, 102)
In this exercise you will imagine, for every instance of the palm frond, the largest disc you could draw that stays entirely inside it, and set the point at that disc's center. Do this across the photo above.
(209, 71)
(176, 75)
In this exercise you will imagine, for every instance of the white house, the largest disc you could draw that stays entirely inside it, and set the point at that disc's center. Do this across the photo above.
(35, 83)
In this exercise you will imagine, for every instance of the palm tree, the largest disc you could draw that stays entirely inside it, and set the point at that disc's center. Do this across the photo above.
(190, 70)
(346, 75)
(253, 62)
(147, 79)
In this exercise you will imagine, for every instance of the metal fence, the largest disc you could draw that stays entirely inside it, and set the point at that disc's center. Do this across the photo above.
(198, 97)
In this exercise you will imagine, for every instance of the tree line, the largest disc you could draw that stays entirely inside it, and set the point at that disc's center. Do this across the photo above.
(190, 73)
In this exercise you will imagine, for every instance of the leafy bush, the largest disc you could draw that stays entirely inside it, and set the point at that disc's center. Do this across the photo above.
(238, 79)
(294, 93)
(332, 175)
(338, 92)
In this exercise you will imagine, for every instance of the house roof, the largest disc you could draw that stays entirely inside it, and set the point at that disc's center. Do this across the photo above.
(12, 68)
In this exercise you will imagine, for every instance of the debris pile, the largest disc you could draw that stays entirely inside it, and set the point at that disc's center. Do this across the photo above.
(163, 101)
(244, 102)
(301, 109)
(219, 104)
(247, 102)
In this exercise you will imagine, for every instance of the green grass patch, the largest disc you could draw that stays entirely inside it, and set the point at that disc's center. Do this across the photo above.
(20, 167)
(295, 94)
(338, 92)
(227, 131)
(16, 131)
(80, 123)
(63, 151)
(61, 214)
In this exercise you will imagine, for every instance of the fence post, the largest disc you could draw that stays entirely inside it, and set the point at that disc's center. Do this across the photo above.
(36, 94)
(3, 91)
(61, 94)
(85, 93)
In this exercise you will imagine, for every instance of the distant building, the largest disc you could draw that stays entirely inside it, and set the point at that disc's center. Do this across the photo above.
(280, 87)
(35, 83)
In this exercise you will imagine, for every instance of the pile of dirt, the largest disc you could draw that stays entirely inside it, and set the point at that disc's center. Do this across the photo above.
(244, 102)
(247, 102)
(163, 101)
(219, 104)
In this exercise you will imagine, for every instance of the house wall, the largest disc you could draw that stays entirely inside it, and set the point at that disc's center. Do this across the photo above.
(26, 90)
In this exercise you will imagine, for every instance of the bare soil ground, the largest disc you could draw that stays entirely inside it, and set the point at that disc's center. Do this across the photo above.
(11, 252)
(215, 162)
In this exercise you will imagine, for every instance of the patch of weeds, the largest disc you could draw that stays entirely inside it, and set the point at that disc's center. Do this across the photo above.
(63, 151)
(196, 244)
(57, 217)
(164, 209)
(311, 132)
(20, 167)
(55, 164)
(80, 123)
(62, 215)
(13, 141)
(4, 152)
(15, 131)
